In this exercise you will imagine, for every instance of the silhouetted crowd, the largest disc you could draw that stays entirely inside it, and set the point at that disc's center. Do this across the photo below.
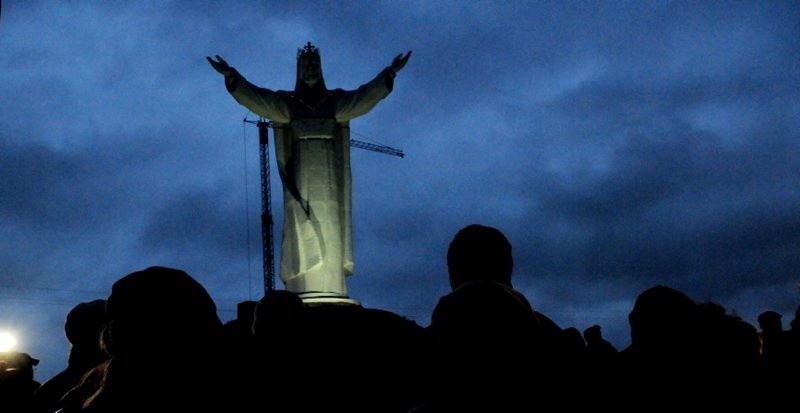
(156, 344)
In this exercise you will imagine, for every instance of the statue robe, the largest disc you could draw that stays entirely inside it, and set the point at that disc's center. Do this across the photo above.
(312, 146)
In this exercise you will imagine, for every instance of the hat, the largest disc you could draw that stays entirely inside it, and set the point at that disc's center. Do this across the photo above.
(17, 360)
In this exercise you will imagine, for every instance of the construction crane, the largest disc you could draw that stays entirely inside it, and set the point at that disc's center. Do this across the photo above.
(267, 239)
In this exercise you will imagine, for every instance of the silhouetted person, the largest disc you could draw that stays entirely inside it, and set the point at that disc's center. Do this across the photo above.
(371, 351)
(661, 361)
(83, 326)
(793, 354)
(794, 339)
(242, 325)
(278, 314)
(729, 348)
(164, 341)
(597, 347)
(773, 339)
(574, 340)
(17, 382)
(333, 357)
(277, 329)
(778, 370)
(682, 352)
(492, 351)
(601, 365)
(239, 342)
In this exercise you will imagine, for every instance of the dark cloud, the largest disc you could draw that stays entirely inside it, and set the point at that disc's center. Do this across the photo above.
(202, 221)
(38, 185)
(618, 145)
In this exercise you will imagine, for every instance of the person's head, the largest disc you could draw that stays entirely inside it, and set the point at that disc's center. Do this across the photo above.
(663, 317)
(479, 252)
(85, 322)
(770, 321)
(278, 312)
(246, 312)
(593, 334)
(159, 307)
(16, 366)
(309, 68)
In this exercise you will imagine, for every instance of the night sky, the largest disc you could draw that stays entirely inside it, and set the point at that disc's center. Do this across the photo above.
(618, 145)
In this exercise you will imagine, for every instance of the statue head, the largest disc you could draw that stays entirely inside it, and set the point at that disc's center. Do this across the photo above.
(309, 68)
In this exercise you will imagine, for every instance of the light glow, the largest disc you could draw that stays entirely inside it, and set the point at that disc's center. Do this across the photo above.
(7, 341)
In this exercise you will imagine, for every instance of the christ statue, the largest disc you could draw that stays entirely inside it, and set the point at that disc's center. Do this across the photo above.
(312, 146)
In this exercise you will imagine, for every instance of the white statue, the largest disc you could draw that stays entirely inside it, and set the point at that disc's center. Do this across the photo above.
(312, 145)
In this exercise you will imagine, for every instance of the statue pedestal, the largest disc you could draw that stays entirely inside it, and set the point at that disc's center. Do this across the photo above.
(315, 298)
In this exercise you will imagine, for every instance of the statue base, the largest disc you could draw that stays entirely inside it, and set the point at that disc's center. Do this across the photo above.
(317, 298)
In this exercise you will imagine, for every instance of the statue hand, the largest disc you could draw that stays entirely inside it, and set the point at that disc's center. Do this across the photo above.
(220, 65)
(400, 61)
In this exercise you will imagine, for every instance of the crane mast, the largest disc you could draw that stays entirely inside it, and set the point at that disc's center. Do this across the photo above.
(267, 223)
(268, 245)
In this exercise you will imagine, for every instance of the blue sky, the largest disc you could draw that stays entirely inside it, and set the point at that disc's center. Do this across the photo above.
(618, 145)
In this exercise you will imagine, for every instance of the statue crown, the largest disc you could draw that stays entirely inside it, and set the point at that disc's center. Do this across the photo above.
(308, 50)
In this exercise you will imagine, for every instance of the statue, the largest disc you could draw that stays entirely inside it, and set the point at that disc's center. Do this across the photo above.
(312, 146)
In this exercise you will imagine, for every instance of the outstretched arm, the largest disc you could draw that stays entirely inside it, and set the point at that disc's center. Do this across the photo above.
(354, 103)
(263, 102)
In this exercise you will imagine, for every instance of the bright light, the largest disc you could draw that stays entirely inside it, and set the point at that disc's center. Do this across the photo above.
(7, 341)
